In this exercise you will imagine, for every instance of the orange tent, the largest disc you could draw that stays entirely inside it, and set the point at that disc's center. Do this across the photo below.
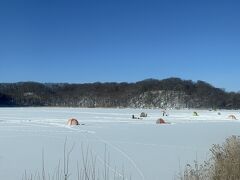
(72, 122)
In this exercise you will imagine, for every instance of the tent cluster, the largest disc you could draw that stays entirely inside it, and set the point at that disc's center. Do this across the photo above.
(74, 122)
(142, 115)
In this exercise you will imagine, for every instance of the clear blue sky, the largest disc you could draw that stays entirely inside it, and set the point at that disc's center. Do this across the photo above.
(120, 40)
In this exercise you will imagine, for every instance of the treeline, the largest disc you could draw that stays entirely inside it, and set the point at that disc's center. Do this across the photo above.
(172, 92)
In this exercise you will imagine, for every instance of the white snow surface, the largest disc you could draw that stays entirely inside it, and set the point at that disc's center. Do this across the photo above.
(144, 149)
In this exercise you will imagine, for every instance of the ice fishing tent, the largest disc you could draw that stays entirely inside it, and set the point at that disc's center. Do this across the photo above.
(160, 121)
(232, 117)
(195, 114)
(143, 114)
(72, 122)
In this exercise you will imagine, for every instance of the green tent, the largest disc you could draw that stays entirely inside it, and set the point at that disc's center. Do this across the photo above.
(195, 114)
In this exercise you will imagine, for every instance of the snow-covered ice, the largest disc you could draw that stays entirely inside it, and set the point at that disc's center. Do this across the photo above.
(147, 151)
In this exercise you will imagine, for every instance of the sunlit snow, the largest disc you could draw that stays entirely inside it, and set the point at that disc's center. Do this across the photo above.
(144, 149)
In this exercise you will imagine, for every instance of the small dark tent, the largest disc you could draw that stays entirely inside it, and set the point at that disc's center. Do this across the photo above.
(143, 114)
(195, 114)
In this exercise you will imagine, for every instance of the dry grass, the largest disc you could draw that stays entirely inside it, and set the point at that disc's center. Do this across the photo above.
(87, 168)
(224, 163)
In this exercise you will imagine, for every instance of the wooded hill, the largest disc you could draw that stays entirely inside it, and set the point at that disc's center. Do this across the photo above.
(167, 93)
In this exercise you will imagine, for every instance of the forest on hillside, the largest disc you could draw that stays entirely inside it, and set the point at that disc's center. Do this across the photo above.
(149, 93)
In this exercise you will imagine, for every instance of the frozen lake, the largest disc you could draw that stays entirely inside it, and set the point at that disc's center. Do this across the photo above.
(145, 150)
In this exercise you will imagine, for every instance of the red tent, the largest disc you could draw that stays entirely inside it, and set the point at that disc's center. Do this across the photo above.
(160, 121)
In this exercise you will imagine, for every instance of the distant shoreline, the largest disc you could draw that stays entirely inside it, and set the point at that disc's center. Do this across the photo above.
(150, 93)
